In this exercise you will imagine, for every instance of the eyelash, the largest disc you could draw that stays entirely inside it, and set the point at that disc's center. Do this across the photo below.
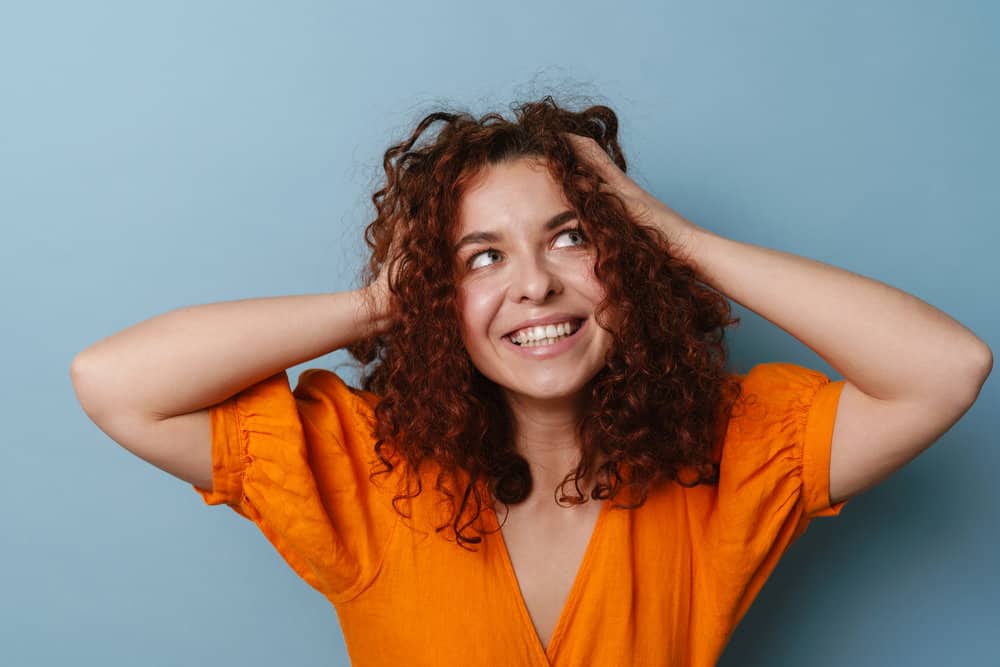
(468, 262)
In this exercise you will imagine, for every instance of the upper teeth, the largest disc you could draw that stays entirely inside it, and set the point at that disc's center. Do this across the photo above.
(543, 332)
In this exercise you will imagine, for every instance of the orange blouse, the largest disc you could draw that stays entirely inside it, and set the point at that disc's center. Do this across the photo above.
(664, 584)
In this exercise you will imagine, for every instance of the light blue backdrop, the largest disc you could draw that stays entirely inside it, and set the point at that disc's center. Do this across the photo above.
(156, 156)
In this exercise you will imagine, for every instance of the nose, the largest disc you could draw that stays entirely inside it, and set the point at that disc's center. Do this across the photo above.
(534, 280)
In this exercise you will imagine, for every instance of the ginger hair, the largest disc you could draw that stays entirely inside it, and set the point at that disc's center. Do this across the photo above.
(659, 408)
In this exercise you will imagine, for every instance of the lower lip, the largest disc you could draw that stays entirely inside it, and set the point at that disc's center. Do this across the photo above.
(547, 351)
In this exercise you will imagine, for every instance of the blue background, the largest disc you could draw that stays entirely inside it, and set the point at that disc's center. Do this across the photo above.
(160, 155)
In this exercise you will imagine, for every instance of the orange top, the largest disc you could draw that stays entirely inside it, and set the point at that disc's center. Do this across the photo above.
(664, 584)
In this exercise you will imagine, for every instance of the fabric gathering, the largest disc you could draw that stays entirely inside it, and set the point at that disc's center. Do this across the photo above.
(663, 584)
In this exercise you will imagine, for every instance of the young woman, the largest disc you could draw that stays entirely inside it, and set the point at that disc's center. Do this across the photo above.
(532, 319)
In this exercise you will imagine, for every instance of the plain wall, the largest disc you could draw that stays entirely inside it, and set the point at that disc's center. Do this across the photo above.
(157, 155)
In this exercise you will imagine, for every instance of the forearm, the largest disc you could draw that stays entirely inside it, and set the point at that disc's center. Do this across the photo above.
(194, 357)
(886, 342)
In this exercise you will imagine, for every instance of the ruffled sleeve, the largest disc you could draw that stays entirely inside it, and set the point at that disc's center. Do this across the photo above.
(297, 465)
(774, 476)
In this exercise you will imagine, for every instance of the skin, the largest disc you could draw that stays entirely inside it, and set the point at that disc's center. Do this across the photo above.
(530, 272)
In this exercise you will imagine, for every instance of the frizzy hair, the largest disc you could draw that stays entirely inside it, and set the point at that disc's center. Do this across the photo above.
(659, 408)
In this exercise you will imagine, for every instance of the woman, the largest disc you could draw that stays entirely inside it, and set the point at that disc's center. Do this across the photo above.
(532, 318)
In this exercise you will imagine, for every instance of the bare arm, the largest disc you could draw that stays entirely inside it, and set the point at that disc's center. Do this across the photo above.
(194, 357)
(910, 370)
(150, 387)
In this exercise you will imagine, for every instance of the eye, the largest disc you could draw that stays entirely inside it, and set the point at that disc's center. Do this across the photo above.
(471, 263)
(472, 260)
(574, 230)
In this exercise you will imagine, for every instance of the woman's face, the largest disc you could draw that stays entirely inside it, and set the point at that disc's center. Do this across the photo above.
(527, 263)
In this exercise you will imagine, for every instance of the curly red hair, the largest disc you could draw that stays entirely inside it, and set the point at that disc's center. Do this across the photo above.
(660, 406)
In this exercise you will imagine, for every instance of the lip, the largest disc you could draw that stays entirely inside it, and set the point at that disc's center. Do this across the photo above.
(548, 351)
(549, 319)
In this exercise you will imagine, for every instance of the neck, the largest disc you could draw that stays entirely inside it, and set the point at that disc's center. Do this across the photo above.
(545, 434)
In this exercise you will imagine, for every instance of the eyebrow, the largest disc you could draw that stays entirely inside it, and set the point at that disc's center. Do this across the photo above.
(491, 236)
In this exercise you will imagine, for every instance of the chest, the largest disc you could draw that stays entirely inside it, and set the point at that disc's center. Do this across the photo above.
(546, 552)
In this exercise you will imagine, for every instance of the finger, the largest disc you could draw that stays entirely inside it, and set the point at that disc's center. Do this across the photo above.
(591, 153)
(585, 146)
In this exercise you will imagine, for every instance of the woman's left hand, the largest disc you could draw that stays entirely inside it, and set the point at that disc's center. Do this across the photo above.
(641, 205)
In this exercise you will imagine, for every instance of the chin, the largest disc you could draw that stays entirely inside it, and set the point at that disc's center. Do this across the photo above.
(553, 388)
(543, 394)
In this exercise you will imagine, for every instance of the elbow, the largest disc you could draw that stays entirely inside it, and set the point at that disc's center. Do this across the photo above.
(984, 362)
(80, 362)
(83, 385)
(987, 359)
(77, 373)
(981, 366)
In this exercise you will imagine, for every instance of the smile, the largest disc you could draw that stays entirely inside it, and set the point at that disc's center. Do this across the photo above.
(545, 335)
(542, 350)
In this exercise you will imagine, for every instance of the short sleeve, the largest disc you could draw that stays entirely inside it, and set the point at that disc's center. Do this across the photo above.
(297, 465)
(774, 475)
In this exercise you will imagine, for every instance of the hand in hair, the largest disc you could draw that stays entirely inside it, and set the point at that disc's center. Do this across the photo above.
(641, 205)
(379, 290)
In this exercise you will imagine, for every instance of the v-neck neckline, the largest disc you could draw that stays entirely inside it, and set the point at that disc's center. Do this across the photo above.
(575, 591)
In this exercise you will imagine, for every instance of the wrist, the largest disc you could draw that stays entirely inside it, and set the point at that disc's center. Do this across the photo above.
(375, 306)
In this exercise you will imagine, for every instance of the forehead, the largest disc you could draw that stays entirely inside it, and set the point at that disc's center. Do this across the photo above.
(514, 192)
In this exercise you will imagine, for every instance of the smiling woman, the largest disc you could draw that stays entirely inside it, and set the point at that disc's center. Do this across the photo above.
(522, 327)
(540, 287)
(535, 240)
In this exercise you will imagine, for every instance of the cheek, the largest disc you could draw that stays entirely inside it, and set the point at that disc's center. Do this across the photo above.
(590, 285)
(474, 310)
(596, 292)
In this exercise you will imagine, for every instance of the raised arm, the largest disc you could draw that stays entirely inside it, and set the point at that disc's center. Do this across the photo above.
(149, 387)
(910, 370)
(197, 356)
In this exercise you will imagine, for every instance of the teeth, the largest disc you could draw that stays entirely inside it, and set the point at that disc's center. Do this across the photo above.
(543, 335)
